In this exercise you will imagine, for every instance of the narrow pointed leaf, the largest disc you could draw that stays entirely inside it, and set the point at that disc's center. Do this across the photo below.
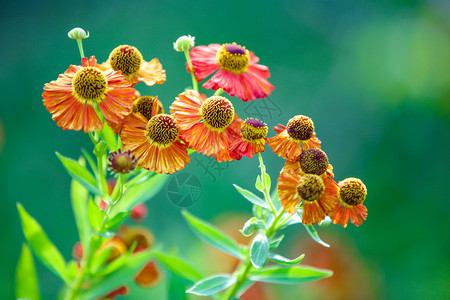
(79, 173)
(259, 185)
(140, 193)
(313, 233)
(213, 236)
(122, 276)
(290, 275)
(79, 198)
(285, 261)
(178, 267)
(274, 243)
(27, 286)
(176, 290)
(118, 220)
(259, 250)
(41, 245)
(251, 197)
(109, 137)
(211, 285)
(95, 215)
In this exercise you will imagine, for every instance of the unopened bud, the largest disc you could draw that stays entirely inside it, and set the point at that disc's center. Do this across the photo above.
(183, 43)
(78, 34)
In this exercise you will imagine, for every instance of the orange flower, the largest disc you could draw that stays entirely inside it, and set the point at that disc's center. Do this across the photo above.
(316, 194)
(252, 139)
(308, 179)
(148, 276)
(239, 74)
(71, 98)
(155, 142)
(208, 125)
(352, 193)
(148, 106)
(292, 139)
(130, 62)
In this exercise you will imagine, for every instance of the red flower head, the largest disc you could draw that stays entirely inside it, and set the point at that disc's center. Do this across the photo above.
(238, 72)
(209, 125)
(252, 139)
(71, 98)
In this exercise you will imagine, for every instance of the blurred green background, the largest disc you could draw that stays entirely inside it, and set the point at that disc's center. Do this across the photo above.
(373, 75)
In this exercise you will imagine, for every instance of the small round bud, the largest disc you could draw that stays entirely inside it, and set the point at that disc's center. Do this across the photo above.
(78, 34)
(121, 162)
(183, 43)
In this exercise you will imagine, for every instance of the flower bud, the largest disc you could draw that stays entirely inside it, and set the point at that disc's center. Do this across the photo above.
(78, 34)
(139, 212)
(183, 43)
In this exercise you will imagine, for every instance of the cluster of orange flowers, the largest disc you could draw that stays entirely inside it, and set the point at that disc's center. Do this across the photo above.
(209, 126)
(138, 237)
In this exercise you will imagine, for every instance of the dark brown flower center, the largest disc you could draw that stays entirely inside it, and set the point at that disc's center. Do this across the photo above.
(217, 112)
(162, 129)
(300, 128)
(314, 161)
(144, 105)
(89, 83)
(310, 187)
(126, 59)
(352, 191)
(233, 58)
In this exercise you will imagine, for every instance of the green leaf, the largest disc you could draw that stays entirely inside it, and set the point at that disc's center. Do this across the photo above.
(274, 243)
(139, 193)
(72, 269)
(41, 245)
(175, 288)
(122, 276)
(259, 185)
(79, 198)
(290, 275)
(294, 219)
(285, 261)
(259, 250)
(313, 233)
(118, 220)
(27, 286)
(211, 285)
(79, 173)
(213, 236)
(178, 267)
(109, 137)
(251, 197)
(100, 148)
(90, 161)
(95, 215)
(251, 225)
(115, 264)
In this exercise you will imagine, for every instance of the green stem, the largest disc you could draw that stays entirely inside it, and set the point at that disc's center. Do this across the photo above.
(191, 68)
(80, 47)
(274, 226)
(242, 278)
(218, 92)
(266, 190)
(101, 172)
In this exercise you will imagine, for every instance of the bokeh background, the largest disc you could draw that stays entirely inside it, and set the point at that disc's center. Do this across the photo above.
(373, 75)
